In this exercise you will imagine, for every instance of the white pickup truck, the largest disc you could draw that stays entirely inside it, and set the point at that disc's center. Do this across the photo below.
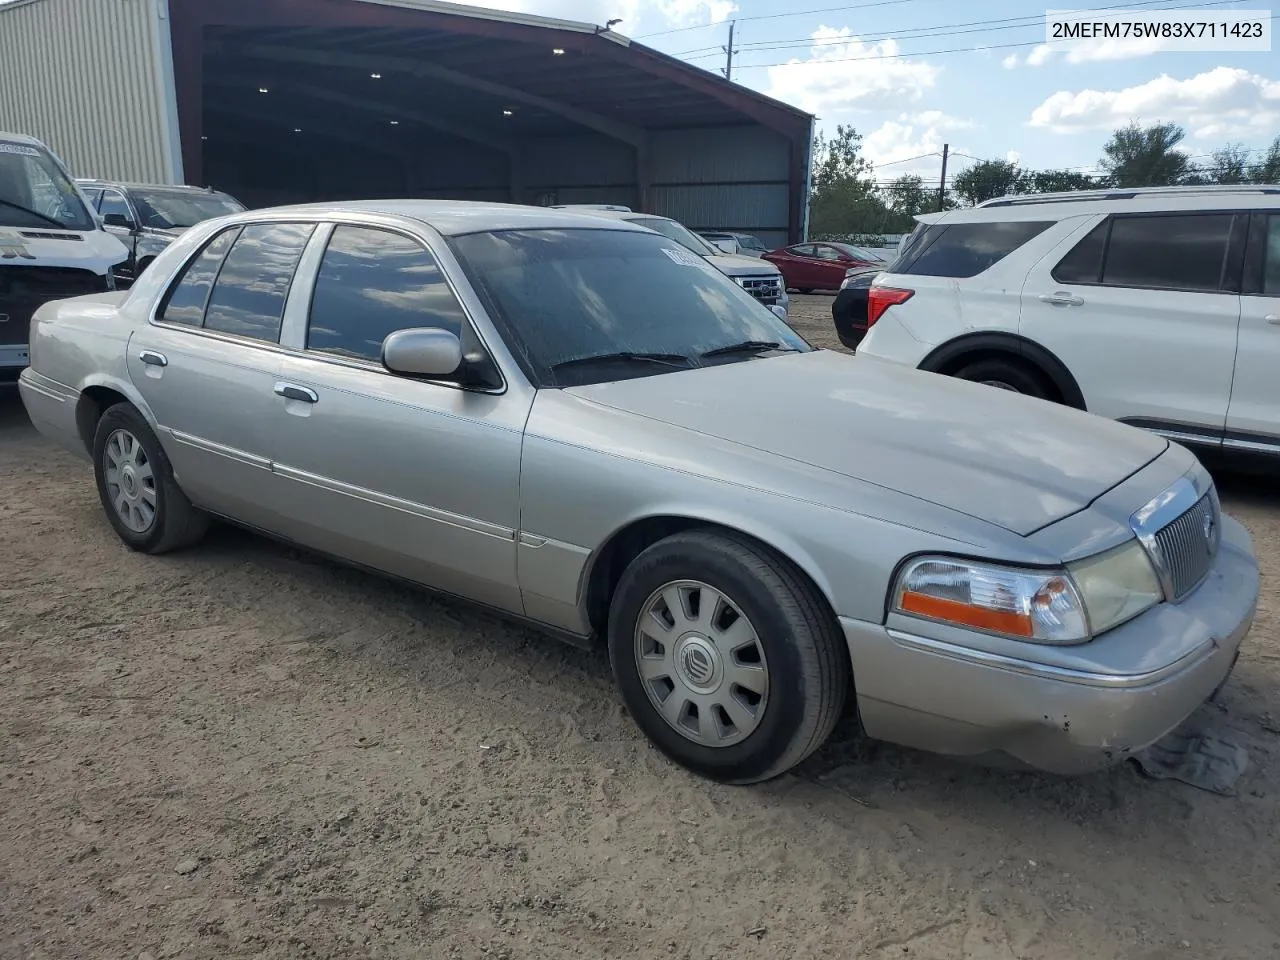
(52, 246)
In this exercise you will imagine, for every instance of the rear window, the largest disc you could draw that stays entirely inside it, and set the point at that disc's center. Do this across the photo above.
(963, 249)
(1171, 252)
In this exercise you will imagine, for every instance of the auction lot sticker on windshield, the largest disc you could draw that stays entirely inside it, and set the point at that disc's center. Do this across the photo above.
(682, 256)
(1115, 34)
(19, 148)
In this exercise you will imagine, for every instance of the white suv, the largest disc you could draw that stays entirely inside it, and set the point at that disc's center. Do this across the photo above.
(1159, 307)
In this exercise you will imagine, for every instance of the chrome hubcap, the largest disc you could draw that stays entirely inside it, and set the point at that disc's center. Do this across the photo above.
(701, 663)
(131, 485)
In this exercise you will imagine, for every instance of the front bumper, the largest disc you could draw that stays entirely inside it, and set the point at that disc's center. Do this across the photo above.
(949, 698)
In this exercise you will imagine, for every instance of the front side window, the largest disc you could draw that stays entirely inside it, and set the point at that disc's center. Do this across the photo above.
(179, 209)
(961, 250)
(588, 306)
(1183, 252)
(249, 295)
(186, 301)
(113, 202)
(35, 193)
(372, 283)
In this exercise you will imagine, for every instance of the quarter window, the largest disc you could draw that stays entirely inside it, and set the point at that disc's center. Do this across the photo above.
(185, 303)
(1083, 264)
(372, 283)
(1183, 252)
(249, 295)
(961, 250)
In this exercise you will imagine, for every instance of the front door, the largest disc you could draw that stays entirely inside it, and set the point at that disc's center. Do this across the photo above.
(1253, 420)
(1143, 310)
(419, 479)
(207, 367)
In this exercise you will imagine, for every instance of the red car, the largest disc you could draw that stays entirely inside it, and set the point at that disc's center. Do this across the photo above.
(820, 266)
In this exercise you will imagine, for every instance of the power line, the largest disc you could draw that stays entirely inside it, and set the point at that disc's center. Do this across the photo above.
(790, 13)
(943, 29)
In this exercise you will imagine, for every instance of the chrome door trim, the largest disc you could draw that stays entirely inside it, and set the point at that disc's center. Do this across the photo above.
(221, 450)
(411, 507)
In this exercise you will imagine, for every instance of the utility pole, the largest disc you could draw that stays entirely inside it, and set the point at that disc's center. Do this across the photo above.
(942, 183)
(728, 53)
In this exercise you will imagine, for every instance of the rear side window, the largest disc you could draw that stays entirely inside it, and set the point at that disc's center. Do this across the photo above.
(1184, 252)
(962, 250)
(1271, 258)
(249, 295)
(185, 303)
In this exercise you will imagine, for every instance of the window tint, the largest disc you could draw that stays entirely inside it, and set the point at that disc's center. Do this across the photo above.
(113, 202)
(94, 194)
(1184, 252)
(802, 249)
(249, 296)
(185, 303)
(1271, 259)
(828, 253)
(966, 249)
(372, 283)
(1083, 264)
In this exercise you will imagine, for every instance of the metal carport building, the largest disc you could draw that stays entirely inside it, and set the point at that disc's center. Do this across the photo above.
(293, 100)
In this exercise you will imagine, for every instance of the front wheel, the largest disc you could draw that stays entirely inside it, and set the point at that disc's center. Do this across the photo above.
(143, 502)
(726, 656)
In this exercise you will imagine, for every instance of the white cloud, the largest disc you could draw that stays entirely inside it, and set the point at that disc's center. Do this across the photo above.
(1225, 101)
(908, 137)
(1039, 56)
(844, 73)
(1010, 61)
(1014, 157)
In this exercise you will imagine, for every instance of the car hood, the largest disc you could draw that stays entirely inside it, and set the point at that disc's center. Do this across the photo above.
(1010, 460)
(735, 265)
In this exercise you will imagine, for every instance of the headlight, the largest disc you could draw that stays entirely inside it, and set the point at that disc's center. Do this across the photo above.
(1034, 605)
(1116, 585)
(1040, 606)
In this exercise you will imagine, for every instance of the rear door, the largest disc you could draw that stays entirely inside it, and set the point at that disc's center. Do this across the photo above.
(1143, 310)
(829, 267)
(1253, 418)
(207, 363)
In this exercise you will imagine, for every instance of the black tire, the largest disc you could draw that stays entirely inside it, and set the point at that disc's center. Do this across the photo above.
(808, 663)
(1006, 375)
(176, 522)
(804, 290)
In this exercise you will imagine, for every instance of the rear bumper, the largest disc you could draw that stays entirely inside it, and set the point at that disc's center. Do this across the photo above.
(52, 408)
(849, 313)
(949, 699)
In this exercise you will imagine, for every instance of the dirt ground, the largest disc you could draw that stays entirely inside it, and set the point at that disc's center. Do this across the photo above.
(240, 751)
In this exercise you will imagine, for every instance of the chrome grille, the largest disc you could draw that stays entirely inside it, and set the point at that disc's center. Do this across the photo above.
(1187, 546)
(768, 290)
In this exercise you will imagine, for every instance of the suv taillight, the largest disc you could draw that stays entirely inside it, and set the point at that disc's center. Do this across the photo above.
(880, 299)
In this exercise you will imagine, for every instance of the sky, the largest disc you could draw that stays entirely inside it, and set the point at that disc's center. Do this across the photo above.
(911, 75)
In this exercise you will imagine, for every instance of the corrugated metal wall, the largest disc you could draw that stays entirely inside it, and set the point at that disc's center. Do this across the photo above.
(88, 77)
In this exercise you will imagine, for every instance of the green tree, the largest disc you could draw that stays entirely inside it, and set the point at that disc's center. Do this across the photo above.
(1230, 165)
(1146, 156)
(1057, 181)
(843, 199)
(1267, 170)
(908, 196)
(988, 179)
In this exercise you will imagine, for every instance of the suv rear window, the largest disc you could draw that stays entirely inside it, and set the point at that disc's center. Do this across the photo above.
(963, 249)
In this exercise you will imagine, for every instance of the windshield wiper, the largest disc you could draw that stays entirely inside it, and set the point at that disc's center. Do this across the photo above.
(35, 213)
(624, 356)
(747, 346)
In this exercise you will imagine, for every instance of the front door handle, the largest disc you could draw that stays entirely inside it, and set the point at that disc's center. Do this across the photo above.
(153, 359)
(1272, 318)
(1061, 299)
(292, 391)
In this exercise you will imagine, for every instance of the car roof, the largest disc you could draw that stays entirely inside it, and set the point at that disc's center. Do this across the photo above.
(1060, 206)
(22, 138)
(155, 187)
(456, 217)
(618, 214)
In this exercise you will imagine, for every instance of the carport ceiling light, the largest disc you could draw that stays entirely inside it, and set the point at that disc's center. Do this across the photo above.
(507, 112)
(262, 90)
(376, 76)
(557, 51)
(394, 123)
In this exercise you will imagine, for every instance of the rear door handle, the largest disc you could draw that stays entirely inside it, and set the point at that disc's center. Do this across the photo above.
(153, 359)
(1272, 318)
(1061, 299)
(292, 391)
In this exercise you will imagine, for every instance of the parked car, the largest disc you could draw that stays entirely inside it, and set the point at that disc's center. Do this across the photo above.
(762, 281)
(147, 217)
(819, 266)
(1156, 306)
(51, 246)
(743, 243)
(849, 308)
(579, 422)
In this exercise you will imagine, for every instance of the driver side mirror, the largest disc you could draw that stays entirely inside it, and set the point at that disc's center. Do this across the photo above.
(118, 220)
(422, 352)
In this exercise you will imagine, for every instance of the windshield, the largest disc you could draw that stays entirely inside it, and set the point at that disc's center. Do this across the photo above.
(751, 243)
(167, 209)
(35, 193)
(679, 233)
(566, 295)
(858, 253)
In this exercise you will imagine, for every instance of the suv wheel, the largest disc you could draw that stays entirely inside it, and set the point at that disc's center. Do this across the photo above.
(1005, 375)
(726, 657)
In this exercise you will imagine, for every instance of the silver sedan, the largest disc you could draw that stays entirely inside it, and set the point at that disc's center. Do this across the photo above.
(577, 422)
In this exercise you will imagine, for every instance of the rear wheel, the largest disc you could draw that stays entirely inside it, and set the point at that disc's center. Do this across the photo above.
(144, 504)
(726, 656)
(1006, 375)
